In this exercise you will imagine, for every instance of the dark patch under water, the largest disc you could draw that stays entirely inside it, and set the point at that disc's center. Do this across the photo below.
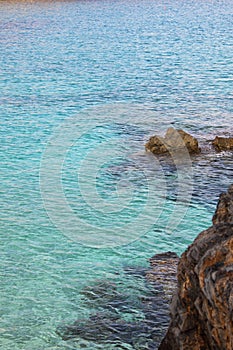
(108, 326)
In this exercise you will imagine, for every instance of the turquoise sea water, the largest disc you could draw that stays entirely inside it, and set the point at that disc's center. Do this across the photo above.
(100, 77)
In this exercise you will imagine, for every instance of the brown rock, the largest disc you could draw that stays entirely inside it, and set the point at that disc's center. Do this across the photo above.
(156, 145)
(223, 143)
(224, 211)
(202, 307)
(174, 140)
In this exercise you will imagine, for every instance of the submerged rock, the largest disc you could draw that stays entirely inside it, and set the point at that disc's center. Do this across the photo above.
(96, 328)
(202, 308)
(174, 140)
(109, 328)
(223, 143)
(102, 291)
(163, 272)
(152, 304)
(162, 283)
(106, 296)
(136, 271)
(201, 283)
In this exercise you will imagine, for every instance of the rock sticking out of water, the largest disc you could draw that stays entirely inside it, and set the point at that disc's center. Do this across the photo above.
(178, 140)
(224, 211)
(223, 143)
(202, 308)
(174, 140)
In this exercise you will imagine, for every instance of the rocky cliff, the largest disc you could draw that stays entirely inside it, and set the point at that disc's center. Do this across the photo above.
(202, 307)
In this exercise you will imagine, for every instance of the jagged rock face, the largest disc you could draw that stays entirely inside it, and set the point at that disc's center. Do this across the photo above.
(202, 308)
(223, 143)
(174, 140)
(224, 211)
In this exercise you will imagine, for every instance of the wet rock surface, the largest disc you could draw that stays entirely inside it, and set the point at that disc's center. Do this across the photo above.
(201, 312)
(109, 326)
(174, 140)
(224, 211)
(223, 143)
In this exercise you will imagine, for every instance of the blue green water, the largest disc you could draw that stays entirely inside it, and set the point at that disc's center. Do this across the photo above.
(107, 74)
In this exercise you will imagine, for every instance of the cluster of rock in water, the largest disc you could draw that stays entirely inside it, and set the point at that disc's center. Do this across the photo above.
(192, 296)
(177, 140)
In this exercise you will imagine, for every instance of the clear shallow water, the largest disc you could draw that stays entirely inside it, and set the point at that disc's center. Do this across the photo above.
(153, 64)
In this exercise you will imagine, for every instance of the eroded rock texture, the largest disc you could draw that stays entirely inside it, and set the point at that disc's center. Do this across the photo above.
(202, 308)
(224, 211)
(174, 140)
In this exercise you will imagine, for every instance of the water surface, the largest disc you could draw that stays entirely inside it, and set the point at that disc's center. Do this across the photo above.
(167, 63)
